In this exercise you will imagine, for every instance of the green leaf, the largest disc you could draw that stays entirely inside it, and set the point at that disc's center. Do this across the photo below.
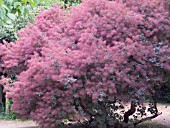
(26, 11)
(1, 23)
(37, 1)
(24, 1)
(1, 2)
(11, 16)
(2, 13)
(16, 4)
(10, 1)
(8, 21)
(4, 20)
(19, 13)
(5, 7)
(21, 9)
(33, 3)
(10, 7)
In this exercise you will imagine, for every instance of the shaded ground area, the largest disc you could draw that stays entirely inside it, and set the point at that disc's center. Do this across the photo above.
(163, 119)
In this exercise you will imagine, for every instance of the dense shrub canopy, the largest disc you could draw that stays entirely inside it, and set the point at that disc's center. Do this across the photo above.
(71, 62)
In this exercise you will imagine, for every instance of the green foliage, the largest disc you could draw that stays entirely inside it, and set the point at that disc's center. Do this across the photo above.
(11, 116)
(14, 15)
(49, 3)
(67, 3)
(63, 3)
(10, 10)
(9, 32)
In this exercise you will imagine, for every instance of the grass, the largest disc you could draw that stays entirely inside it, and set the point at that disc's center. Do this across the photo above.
(150, 124)
(11, 116)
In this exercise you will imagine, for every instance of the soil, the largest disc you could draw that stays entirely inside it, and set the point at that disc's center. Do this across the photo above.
(164, 119)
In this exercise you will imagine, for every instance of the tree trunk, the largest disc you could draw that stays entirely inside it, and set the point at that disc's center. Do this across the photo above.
(130, 112)
(7, 106)
(1, 94)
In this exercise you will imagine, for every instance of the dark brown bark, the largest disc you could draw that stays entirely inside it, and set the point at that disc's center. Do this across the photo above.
(84, 107)
(130, 112)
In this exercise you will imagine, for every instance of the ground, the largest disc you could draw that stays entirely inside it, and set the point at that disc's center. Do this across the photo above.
(162, 119)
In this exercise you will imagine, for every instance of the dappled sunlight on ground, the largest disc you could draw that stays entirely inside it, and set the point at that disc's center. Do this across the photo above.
(162, 119)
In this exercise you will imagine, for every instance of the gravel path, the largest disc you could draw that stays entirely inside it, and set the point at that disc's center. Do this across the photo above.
(17, 124)
(164, 119)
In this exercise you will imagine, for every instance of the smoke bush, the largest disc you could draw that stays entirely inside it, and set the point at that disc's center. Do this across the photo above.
(77, 63)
